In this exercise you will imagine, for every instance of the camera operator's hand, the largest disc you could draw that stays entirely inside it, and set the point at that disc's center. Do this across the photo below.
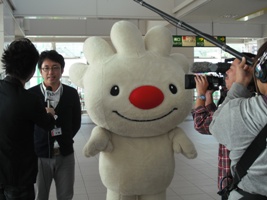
(202, 84)
(244, 73)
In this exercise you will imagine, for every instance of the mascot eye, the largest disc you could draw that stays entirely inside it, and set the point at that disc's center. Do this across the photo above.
(173, 88)
(115, 90)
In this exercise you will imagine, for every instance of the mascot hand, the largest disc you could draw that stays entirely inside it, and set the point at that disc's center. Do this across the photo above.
(99, 141)
(182, 144)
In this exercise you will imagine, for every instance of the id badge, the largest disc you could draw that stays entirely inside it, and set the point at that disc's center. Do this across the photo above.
(56, 132)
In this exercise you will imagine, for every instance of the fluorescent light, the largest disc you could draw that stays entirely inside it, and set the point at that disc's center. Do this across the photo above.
(253, 15)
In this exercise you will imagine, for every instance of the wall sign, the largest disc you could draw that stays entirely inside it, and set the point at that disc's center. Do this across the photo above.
(194, 41)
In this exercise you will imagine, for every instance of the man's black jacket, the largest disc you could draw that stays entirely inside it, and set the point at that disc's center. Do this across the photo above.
(68, 111)
(19, 111)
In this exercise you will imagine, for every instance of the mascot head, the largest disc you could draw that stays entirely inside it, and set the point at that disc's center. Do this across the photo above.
(134, 87)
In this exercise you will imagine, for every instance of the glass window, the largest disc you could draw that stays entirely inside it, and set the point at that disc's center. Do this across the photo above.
(43, 46)
(72, 53)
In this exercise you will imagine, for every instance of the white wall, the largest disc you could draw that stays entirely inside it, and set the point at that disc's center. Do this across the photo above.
(9, 27)
(73, 27)
(264, 31)
(89, 8)
(1, 32)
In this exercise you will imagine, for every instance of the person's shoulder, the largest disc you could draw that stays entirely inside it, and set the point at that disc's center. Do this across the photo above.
(30, 95)
(34, 88)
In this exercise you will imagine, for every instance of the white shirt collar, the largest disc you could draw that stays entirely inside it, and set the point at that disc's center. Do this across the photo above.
(56, 95)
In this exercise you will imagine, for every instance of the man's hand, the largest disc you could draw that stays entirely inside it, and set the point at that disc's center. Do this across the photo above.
(50, 110)
(202, 84)
(244, 73)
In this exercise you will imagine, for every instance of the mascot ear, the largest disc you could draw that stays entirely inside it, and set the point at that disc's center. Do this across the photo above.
(97, 50)
(76, 73)
(182, 60)
(159, 39)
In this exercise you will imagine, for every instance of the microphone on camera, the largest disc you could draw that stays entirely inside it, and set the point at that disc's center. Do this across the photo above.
(48, 95)
(203, 67)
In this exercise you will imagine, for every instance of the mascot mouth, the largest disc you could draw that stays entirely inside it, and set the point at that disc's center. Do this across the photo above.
(145, 120)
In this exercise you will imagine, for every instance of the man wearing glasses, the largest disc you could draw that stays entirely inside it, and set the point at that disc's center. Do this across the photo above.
(55, 148)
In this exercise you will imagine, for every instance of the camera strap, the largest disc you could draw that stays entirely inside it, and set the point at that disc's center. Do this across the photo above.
(249, 156)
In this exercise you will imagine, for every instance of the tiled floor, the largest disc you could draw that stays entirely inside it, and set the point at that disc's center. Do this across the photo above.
(193, 180)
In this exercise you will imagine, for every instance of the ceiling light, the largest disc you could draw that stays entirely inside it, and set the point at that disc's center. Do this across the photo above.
(253, 15)
(55, 17)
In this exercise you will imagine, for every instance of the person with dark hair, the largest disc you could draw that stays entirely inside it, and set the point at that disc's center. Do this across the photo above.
(19, 111)
(203, 113)
(239, 120)
(55, 149)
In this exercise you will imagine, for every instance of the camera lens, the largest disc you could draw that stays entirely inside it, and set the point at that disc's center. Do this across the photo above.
(190, 81)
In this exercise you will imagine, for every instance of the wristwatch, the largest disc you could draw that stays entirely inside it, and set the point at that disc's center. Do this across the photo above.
(202, 97)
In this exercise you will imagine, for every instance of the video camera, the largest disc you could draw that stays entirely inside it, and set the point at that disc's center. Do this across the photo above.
(215, 81)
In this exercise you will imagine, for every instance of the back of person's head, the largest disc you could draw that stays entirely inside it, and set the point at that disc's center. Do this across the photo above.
(20, 58)
(51, 55)
(261, 50)
(260, 64)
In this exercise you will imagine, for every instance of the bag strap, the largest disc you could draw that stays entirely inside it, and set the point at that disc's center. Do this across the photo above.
(249, 156)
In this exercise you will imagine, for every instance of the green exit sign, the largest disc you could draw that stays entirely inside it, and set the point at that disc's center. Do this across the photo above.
(194, 41)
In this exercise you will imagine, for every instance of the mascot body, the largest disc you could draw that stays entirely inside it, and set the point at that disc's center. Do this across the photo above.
(135, 95)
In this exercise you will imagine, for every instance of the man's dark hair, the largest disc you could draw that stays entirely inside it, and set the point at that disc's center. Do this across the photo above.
(261, 51)
(20, 58)
(51, 55)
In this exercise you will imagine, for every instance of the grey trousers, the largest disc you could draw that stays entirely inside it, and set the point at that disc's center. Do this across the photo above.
(61, 169)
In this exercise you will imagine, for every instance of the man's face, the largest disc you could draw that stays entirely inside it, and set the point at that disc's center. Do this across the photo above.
(231, 74)
(51, 72)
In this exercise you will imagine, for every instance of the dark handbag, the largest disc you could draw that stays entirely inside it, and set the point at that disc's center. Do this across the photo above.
(246, 160)
(225, 192)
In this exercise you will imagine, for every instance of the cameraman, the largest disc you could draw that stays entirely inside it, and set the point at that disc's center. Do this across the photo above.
(238, 121)
(203, 112)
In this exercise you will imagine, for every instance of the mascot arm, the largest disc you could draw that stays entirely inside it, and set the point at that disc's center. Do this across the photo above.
(182, 144)
(100, 140)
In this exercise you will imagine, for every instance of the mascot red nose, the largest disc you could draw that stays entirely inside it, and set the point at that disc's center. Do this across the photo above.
(146, 97)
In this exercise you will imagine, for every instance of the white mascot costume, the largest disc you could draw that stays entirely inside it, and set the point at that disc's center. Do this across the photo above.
(134, 93)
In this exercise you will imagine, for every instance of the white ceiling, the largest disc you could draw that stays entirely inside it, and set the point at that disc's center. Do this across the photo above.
(226, 11)
(83, 18)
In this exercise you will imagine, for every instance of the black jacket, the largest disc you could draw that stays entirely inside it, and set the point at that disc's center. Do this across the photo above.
(68, 111)
(19, 111)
